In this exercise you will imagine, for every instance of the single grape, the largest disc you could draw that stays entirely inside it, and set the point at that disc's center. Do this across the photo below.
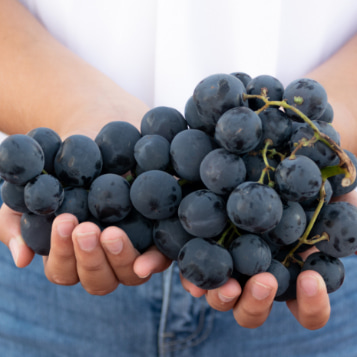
(311, 203)
(188, 148)
(327, 114)
(339, 221)
(36, 232)
(21, 159)
(291, 226)
(152, 152)
(282, 275)
(298, 178)
(195, 120)
(205, 263)
(222, 171)
(116, 141)
(202, 213)
(78, 161)
(276, 126)
(108, 198)
(155, 194)
(169, 236)
(251, 254)
(319, 152)
(13, 196)
(254, 207)
(266, 85)
(336, 181)
(217, 93)
(294, 270)
(331, 269)
(164, 121)
(243, 77)
(254, 164)
(43, 195)
(50, 142)
(308, 96)
(239, 130)
(75, 202)
(139, 230)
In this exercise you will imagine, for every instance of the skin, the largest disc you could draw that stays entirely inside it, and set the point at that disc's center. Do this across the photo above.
(81, 100)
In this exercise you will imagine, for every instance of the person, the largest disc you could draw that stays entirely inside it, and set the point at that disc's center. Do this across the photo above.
(90, 63)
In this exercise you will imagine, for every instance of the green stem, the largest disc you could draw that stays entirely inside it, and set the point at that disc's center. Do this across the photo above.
(346, 165)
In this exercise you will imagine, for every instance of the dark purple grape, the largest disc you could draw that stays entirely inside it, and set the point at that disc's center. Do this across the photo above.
(50, 142)
(336, 181)
(195, 120)
(327, 114)
(251, 254)
(155, 194)
(282, 275)
(152, 152)
(164, 121)
(139, 230)
(291, 226)
(254, 207)
(202, 213)
(216, 94)
(339, 221)
(294, 270)
(188, 148)
(222, 171)
(264, 85)
(75, 202)
(43, 195)
(205, 263)
(108, 198)
(78, 161)
(243, 77)
(21, 159)
(239, 130)
(298, 179)
(319, 152)
(308, 96)
(13, 196)
(331, 269)
(169, 236)
(36, 232)
(254, 164)
(311, 203)
(116, 141)
(276, 126)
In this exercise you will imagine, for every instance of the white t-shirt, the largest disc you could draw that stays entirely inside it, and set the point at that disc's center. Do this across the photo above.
(160, 49)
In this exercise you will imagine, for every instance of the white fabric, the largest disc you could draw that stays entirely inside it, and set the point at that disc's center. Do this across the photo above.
(160, 49)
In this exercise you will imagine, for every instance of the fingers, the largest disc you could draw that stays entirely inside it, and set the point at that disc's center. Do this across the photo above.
(60, 266)
(11, 236)
(312, 306)
(254, 305)
(225, 297)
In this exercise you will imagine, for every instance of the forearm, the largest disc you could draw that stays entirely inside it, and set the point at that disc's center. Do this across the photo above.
(338, 75)
(44, 84)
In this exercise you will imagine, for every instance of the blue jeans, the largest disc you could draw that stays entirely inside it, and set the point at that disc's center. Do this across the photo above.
(159, 318)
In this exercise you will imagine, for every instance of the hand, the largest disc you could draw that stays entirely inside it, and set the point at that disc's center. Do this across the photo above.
(100, 261)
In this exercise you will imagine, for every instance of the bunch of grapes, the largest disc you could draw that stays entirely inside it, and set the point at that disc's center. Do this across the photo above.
(242, 182)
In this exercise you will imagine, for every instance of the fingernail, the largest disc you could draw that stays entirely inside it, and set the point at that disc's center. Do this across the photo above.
(143, 276)
(260, 291)
(87, 241)
(14, 249)
(224, 298)
(65, 228)
(309, 285)
(114, 246)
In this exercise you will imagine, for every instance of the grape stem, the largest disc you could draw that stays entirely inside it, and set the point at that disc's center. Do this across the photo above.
(345, 166)
(265, 171)
(304, 239)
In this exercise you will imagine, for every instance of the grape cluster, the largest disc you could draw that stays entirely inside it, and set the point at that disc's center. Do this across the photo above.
(240, 183)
